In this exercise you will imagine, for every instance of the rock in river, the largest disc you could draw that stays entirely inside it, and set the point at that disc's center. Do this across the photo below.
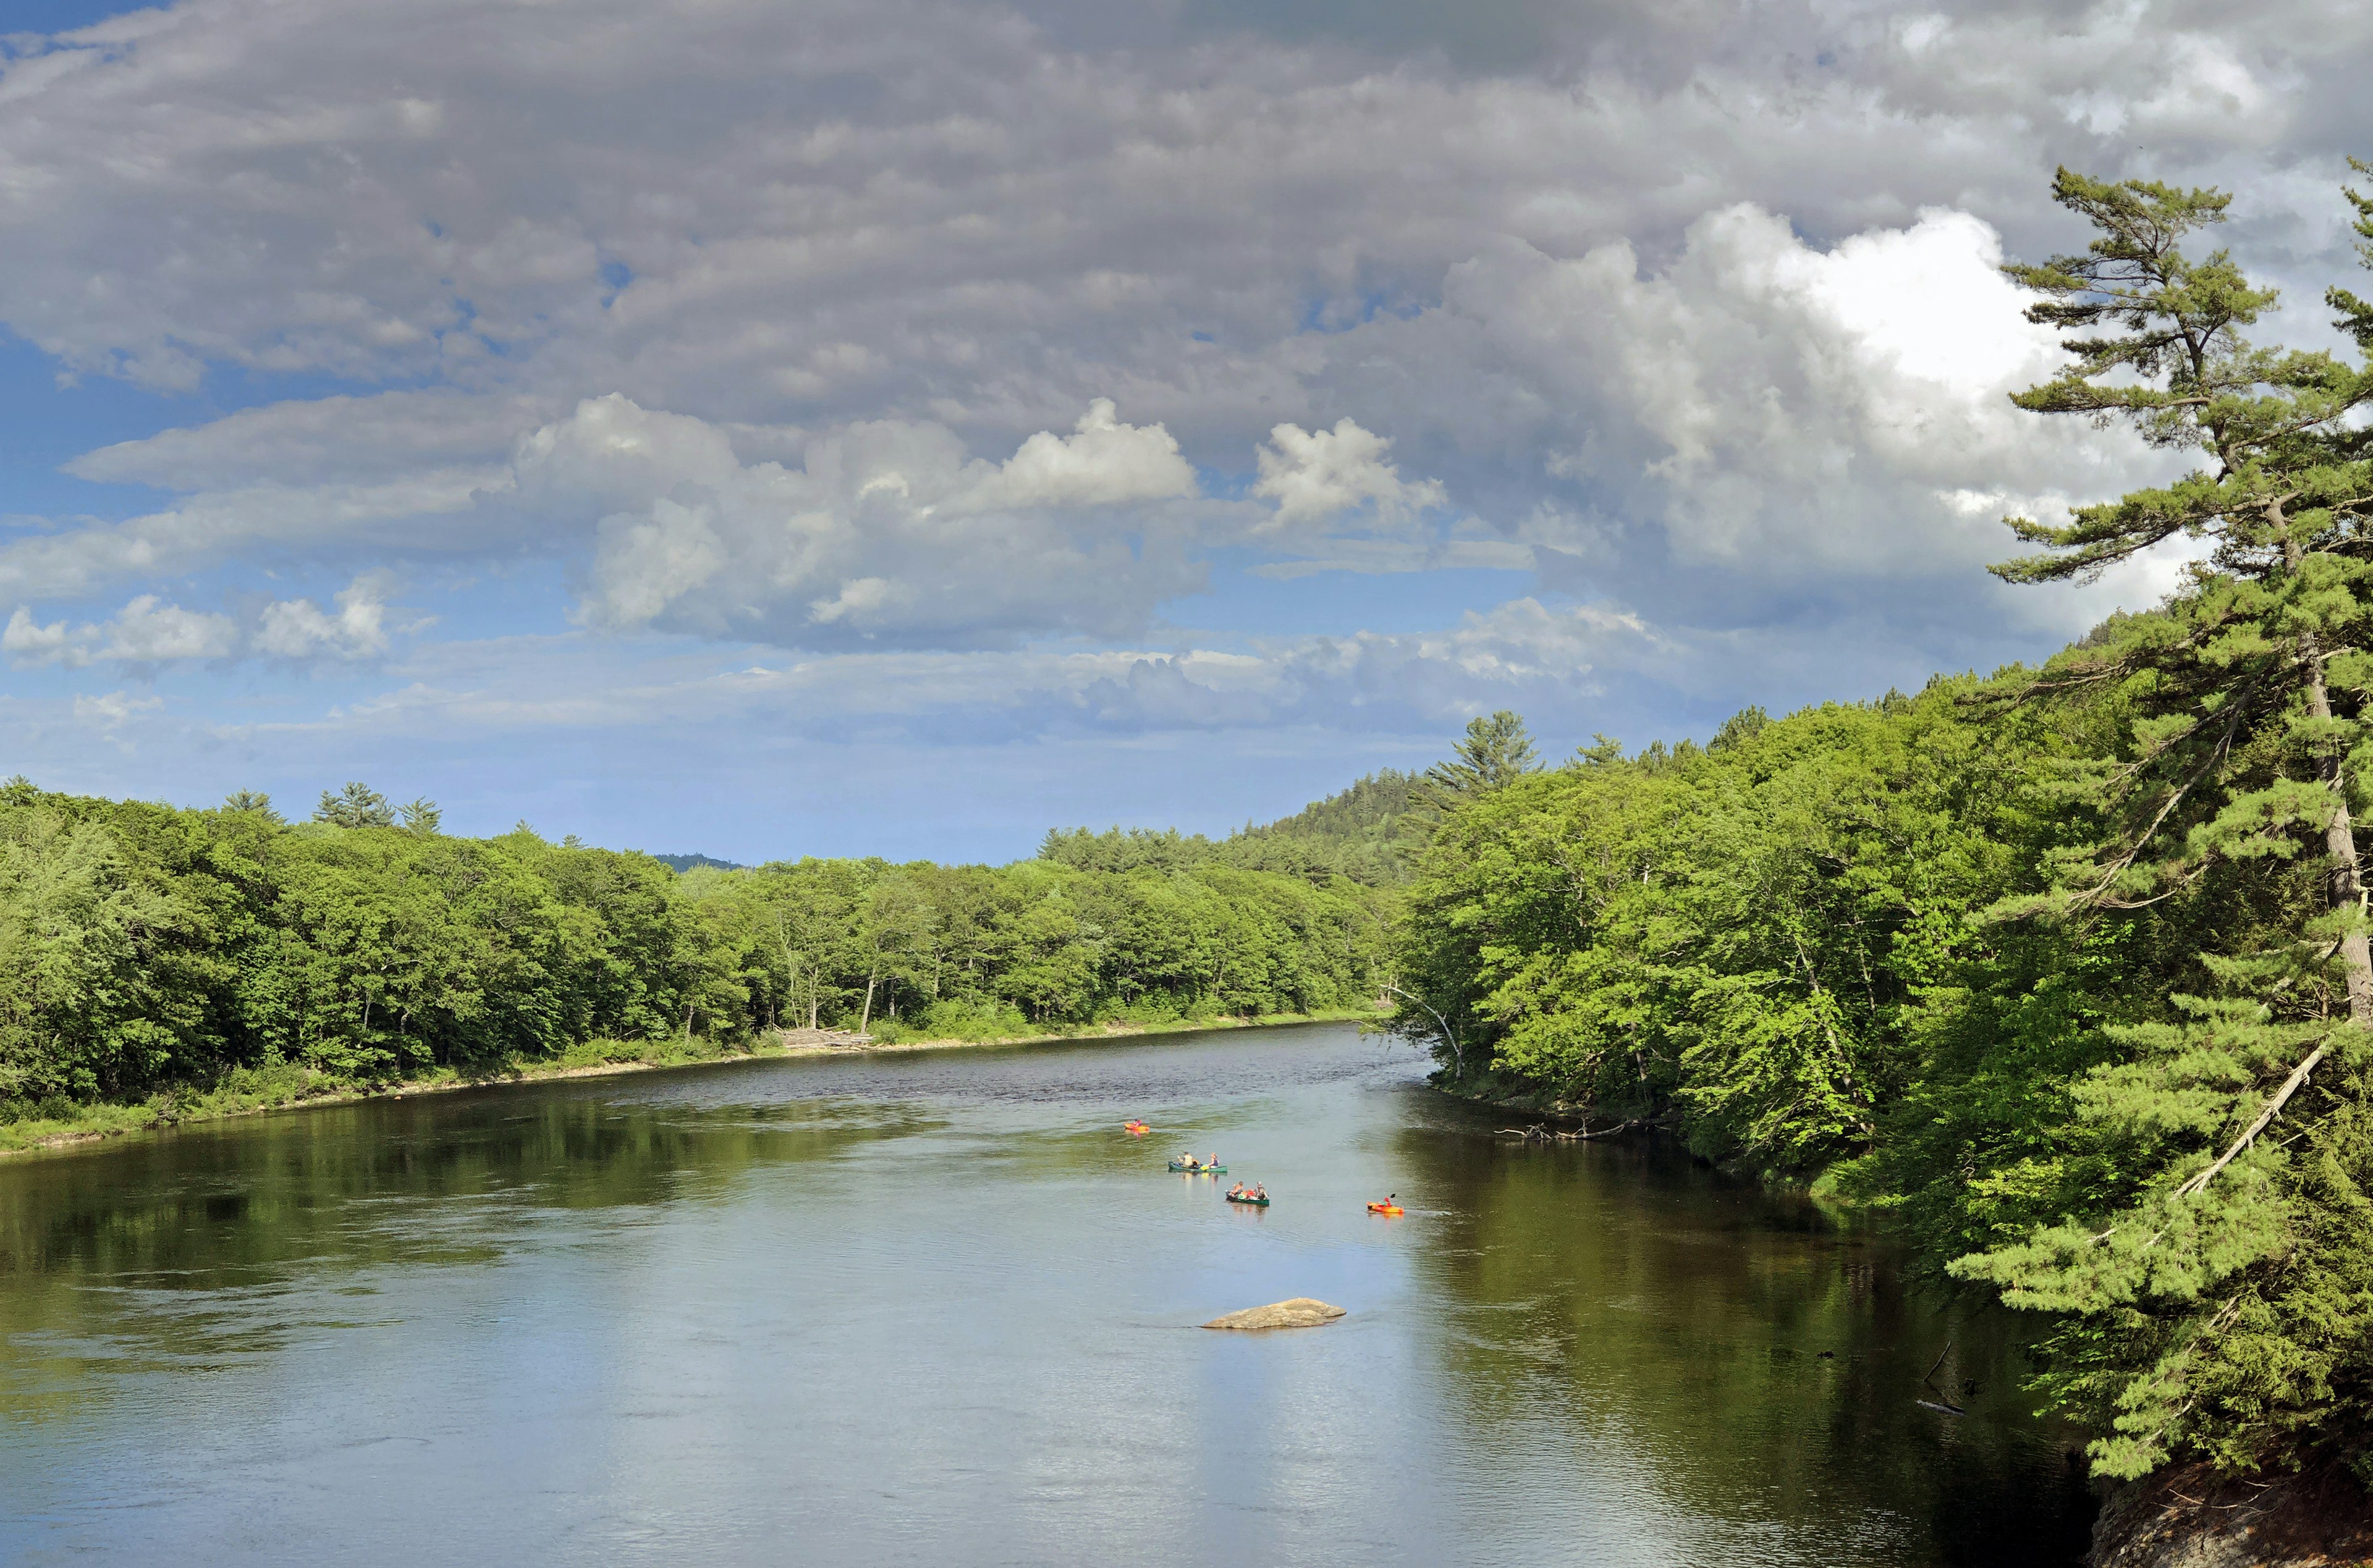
(1302, 1312)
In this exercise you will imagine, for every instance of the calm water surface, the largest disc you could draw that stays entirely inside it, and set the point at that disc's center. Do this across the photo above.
(937, 1307)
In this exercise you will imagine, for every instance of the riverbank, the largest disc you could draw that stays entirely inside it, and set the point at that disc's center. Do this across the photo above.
(2191, 1518)
(252, 1091)
(1498, 1095)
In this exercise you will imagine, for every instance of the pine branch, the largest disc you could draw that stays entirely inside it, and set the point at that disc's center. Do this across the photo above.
(2282, 1096)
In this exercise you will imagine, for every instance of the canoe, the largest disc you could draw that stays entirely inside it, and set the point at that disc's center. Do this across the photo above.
(1385, 1208)
(1135, 1129)
(1200, 1169)
(1255, 1202)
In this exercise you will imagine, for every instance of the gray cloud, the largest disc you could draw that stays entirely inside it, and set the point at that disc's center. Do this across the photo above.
(1686, 307)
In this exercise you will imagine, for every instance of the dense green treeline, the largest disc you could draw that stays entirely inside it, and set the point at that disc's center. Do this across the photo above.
(1367, 834)
(146, 947)
(2067, 969)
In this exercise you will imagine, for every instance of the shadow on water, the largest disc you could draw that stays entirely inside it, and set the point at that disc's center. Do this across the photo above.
(1767, 1359)
(173, 1251)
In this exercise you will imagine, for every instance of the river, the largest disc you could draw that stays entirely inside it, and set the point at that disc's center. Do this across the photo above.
(937, 1307)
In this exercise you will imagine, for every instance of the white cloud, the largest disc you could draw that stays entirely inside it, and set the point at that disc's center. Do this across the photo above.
(148, 633)
(1777, 412)
(1313, 475)
(886, 531)
(298, 629)
(149, 630)
(109, 712)
(755, 313)
(1102, 463)
(145, 632)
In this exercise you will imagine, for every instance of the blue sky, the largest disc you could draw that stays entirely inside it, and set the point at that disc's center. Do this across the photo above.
(901, 427)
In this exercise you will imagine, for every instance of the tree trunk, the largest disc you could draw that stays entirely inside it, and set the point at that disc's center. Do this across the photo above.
(2343, 881)
(2345, 887)
(865, 1020)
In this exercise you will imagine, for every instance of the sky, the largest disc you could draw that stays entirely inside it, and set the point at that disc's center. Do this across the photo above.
(766, 429)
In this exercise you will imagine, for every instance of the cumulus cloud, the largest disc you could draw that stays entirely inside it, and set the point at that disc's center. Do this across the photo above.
(147, 633)
(1760, 411)
(298, 629)
(1102, 463)
(1688, 310)
(1313, 475)
(887, 530)
(879, 531)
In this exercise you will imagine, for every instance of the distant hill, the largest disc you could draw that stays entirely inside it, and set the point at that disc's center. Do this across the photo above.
(1363, 833)
(683, 862)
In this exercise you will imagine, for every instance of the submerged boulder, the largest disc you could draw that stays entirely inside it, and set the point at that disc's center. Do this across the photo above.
(1302, 1312)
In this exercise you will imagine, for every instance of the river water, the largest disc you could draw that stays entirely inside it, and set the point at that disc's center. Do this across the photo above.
(937, 1307)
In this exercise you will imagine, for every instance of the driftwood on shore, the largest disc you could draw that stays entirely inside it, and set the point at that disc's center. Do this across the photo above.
(1538, 1133)
(808, 1040)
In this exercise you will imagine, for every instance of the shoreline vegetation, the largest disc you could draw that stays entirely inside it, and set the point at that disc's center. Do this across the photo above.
(261, 1090)
(159, 964)
(2065, 972)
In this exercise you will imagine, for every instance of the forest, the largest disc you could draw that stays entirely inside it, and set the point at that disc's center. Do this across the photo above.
(149, 950)
(2065, 970)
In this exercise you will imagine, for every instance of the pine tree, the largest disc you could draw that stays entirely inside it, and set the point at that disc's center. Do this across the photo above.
(356, 805)
(1495, 751)
(2248, 740)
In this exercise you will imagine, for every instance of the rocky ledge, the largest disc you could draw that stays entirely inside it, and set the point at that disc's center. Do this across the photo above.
(2190, 1518)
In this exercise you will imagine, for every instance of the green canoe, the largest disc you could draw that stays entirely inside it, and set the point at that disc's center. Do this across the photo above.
(1255, 1202)
(1200, 1169)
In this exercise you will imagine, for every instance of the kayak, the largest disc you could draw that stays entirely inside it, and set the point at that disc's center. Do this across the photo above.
(1383, 1208)
(1255, 1202)
(1200, 1169)
(1136, 1129)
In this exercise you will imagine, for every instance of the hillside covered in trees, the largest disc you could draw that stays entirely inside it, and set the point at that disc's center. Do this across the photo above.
(2067, 969)
(1367, 834)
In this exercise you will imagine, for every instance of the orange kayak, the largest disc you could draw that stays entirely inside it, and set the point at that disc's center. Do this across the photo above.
(1136, 1129)
(1383, 1208)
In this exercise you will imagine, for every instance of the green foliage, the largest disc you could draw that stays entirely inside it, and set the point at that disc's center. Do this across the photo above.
(1497, 750)
(2245, 728)
(356, 805)
(1741, 941)
(1365, 835)
(147, 952)
(2068, 968)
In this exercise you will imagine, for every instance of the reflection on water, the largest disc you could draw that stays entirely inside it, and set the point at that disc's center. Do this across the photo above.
(937, 1307)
